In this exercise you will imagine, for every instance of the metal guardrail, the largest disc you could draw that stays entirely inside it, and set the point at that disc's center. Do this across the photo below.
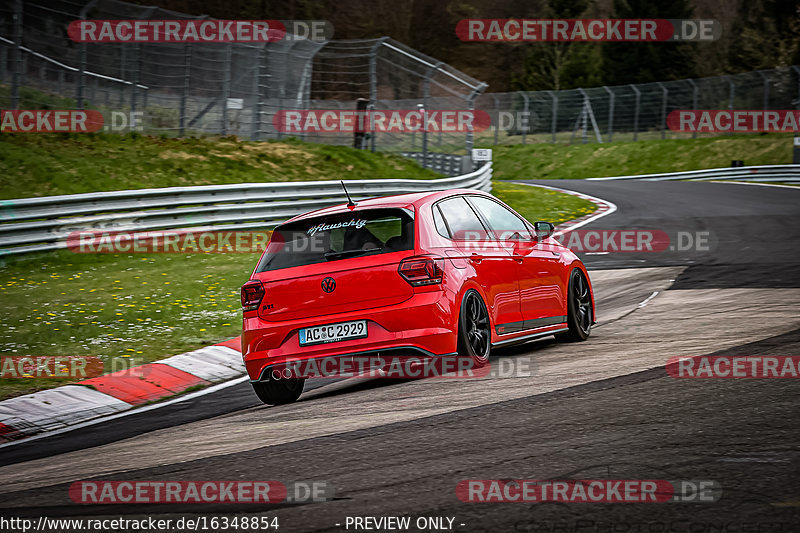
(42, 224)
(761, 173)
(447, 164)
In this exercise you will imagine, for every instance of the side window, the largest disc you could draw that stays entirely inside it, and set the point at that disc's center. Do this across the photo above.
(441, 227)
(505, 224)
(464, 224)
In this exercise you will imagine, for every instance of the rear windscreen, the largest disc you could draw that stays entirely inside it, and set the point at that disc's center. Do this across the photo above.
(340, 236)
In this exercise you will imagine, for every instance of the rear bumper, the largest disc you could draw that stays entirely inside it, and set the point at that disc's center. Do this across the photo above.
(424, 324)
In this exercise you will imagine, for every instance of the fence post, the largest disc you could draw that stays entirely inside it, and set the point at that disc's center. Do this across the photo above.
(695, 95)
(636, 112)
(497, 114)
(797, 69)
(426, 93)
(226, 87)
(137, 75)
(187, 73)
(554, 119)
(256, 123)
(3, 63)
(611, 97)
(83, 52)
(583, 118)
(471, 106)
(373, 88)
(525, 111)
(766, 88)
(731, 96)
(123, 64)
(665, 94)
(16, 78)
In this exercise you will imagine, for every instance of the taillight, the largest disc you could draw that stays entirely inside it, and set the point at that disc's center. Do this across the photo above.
(419, 271)
(252, 294)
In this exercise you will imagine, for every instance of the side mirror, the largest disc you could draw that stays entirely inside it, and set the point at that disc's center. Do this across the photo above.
(543, 230)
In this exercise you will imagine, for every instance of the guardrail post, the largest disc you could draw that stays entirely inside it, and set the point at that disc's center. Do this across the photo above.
(636, 112)
(226, 87)
(554, 118)
(665, 96)
(611, 97)
(187, 73)
(524, 122)
(695, 96)
(16, 77)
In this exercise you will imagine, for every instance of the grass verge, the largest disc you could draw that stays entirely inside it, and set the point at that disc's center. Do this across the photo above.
(44, 164)
(555, 161)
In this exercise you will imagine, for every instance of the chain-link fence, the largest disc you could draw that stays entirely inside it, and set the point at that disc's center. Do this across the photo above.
(630, 112)
(237, 89)
(216, 88)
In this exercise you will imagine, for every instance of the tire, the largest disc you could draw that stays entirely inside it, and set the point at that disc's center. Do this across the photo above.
(279, 391)
(579, 309)
(474, 329)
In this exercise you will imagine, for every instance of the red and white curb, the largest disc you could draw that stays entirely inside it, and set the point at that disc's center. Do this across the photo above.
(604, 208)
(63, 407)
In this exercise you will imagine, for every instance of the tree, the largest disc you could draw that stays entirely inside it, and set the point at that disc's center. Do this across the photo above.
(560, 65)
(641, 62)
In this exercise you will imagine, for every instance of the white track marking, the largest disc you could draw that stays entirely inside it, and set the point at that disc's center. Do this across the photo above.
(646, 300)
(611, 206)
(755, 183)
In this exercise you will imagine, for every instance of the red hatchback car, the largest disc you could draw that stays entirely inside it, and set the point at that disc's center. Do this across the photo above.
(452, 273)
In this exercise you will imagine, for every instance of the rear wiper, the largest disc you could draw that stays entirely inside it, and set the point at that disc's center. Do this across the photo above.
(343, 253)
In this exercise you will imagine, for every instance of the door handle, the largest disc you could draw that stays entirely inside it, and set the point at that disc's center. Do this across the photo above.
(475, 258)
(518, 258)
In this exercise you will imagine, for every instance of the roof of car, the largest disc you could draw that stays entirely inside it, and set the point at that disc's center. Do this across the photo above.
(397, 201)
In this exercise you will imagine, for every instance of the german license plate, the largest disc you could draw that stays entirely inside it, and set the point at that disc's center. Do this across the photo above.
(341, 331)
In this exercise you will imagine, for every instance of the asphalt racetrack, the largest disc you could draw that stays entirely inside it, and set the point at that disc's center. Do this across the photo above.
(602, 409)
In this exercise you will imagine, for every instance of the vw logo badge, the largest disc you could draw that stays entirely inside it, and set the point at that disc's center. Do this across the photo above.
(328, 284)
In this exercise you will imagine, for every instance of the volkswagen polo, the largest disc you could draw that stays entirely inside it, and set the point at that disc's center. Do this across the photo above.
(448, 273)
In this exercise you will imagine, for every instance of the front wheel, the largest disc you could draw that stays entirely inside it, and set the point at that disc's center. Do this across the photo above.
(279, 391)
(579, 308)
(474, 329)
